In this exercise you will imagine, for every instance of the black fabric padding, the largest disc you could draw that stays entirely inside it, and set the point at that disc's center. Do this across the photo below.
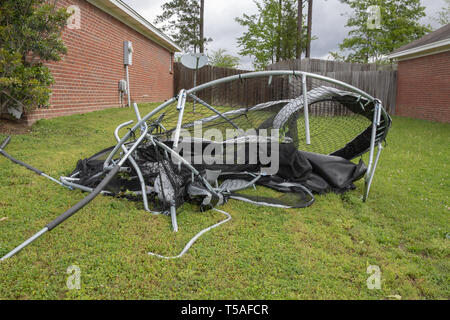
(293, 164)
(85, 201)
(335, 170)
(297, 170)
(339, 173)
(320, 173)
(317, 184)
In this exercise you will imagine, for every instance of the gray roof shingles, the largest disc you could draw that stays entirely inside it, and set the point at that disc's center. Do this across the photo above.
(435, 36)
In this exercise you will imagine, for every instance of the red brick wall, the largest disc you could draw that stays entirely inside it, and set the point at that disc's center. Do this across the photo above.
(423, 88)
(87, 77)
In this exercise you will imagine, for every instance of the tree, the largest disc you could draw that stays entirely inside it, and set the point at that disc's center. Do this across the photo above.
(299, 27)
(202, 24)
(443, 17)
(220, 59)
(272, 34)
(300, 23)
(30, 34)
(183, 21)
(368, 42)
(309, 32)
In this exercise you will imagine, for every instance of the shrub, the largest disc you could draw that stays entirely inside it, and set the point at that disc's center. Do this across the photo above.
(30, 34)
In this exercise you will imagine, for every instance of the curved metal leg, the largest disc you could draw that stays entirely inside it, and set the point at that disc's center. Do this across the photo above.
(135, 166)
(25, 165)
(370, 175)
(173, 215)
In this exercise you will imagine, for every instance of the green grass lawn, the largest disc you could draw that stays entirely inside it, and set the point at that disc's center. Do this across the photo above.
(321, 252)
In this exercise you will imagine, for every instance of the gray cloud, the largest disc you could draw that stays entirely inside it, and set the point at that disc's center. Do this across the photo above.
(328, 22)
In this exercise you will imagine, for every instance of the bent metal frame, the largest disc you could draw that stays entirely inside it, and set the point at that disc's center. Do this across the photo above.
(144, 130)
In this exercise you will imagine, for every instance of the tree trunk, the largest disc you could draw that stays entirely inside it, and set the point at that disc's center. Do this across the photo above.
(278, 58)
(299, 29)
(202, 20)
(310, 13)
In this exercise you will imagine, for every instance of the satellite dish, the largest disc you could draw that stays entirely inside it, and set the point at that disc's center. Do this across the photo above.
(194, 60)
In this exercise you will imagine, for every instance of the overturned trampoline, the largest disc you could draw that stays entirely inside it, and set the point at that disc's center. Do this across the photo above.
(298, 133)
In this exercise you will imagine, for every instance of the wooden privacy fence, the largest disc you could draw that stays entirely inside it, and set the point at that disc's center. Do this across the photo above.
(184, 77)
(318, 65)
(380, 81)
(246, 93)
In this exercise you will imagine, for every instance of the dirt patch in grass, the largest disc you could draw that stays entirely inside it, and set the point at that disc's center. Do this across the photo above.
(13, 127)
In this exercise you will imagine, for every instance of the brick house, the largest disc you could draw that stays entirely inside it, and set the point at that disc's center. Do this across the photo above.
(87, 78)
(423, 85)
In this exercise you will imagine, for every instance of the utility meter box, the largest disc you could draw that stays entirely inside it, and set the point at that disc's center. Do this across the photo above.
(123, 86)
(127, 53)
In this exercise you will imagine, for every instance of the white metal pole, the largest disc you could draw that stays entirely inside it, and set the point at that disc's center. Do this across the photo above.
(376, 111)
(128, 86)
(173, 215)
(306, 110)
(372, 173)
(195, 80)
(180, 107)
(23, 245)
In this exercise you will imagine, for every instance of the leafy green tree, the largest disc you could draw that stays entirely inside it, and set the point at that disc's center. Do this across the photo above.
(367, 42)
(272, 34)
(183, 21)
(30, 33)
(443, 17)
(219, 58)
(288, 31)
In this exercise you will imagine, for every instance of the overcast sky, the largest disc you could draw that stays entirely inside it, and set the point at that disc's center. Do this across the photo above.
(328, 22)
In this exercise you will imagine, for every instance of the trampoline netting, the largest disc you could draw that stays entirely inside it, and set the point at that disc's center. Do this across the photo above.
(237, 116)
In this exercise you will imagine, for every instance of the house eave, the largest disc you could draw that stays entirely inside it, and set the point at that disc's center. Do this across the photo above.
(124, 13)
(422, 51)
